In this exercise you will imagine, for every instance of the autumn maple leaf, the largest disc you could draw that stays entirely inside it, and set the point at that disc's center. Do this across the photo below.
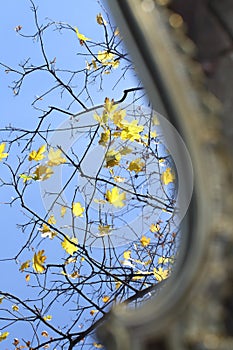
(77, 209)
(38, 261)
(167, 176)
(115, 197)
(37, 155)
(69, 245)
(55, 157)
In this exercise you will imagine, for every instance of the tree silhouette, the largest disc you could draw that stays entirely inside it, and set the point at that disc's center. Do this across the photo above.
(103, 229)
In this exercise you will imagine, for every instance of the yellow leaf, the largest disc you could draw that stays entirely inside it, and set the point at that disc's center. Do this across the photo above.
(47, 318)
(94, 64)
(155, 120)
(109, 106)
(74, 274)
(131, 130)
(140, 274)
(115, 197)
(136, 165)
(63, 211)
(99, 19)
(104, 229)
(52, 220)
(145, 241)
(77, 209)
(55, 157)
(2, 148)
(15, 308)
(24, 265)
(3, 336)
(117, 284)
(38, 261)
(118, 117)
(154, 228)
(1, 299)
(160, 274)
(42, 173)
(167, 176)
(119, 179)
(163, 260)
(27, 278)
(92, 312)
(47, 232)
(104, 56)
(27, 177)
(69, 247)
(98, 346)
(115, 63)
(117, 32)
(105, 299)
(104, 138)
(37, 155)
(44, 334)
(125, 150)
(112, 158)
(99, 201)
(127, 254)
(80, 36)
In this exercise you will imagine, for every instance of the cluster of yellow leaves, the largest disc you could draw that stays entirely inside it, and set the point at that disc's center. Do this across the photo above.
(98, 345)
(167, 176)
(145, 241)
(163, 260)
(2, 154)
(38, 261)
(131, 130)
(43, 172)
(160, 274)
(115, 198)
(47, 232)
(136, 165)
(77, 209)
(106, 58)
(112, 158)
(108, 112)
(3, 336)
(70, 245)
